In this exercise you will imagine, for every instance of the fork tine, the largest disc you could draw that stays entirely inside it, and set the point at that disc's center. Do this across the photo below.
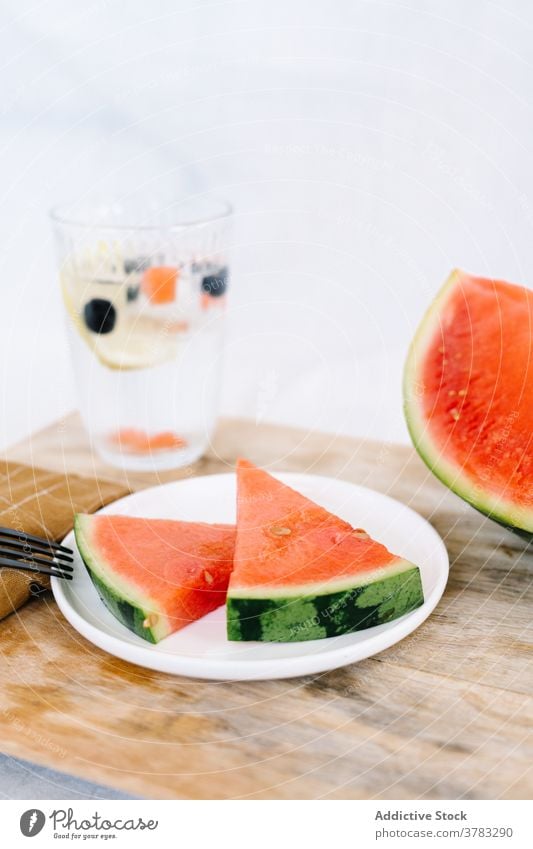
(32, 558)
(22, 536)
(31, 549)
(27, 567)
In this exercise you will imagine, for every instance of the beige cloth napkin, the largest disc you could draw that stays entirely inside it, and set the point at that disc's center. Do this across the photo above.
(39, 502)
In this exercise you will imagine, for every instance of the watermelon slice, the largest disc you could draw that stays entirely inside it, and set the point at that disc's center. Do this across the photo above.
(156, 575)
(301, 573)
(468, 391)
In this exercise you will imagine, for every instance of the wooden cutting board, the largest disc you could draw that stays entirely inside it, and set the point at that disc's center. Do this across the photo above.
(444, 714)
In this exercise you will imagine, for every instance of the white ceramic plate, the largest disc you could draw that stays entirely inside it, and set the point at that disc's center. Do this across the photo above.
(201, 650)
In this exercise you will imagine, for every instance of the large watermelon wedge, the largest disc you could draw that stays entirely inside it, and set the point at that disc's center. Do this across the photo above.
(156, 575)
(301, 573)
(468, 392)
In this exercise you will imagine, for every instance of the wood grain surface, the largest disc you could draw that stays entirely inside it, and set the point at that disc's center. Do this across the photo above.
(446, 713)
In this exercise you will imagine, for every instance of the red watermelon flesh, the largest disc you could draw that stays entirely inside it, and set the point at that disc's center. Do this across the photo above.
(156, 575)
(469, 394)
(286, 540)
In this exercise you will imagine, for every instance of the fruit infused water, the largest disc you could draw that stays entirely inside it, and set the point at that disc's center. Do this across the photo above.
(145, 308)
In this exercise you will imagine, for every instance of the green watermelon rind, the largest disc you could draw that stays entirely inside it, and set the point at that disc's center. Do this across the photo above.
(130, 610)
(499, 509)
(296, 617)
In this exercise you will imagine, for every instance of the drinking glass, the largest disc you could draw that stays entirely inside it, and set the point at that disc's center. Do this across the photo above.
(144, 288)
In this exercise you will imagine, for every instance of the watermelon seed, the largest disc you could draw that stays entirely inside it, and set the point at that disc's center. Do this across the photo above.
(150, 621)
(279, 531)
(452, 392)
(455, 415)
(209, 578)
(462, 392)
(360, 533)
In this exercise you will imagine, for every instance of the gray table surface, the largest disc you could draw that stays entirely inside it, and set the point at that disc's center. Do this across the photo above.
(22, 780)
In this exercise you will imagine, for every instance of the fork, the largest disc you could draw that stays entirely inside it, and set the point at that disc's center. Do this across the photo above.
(19, 550)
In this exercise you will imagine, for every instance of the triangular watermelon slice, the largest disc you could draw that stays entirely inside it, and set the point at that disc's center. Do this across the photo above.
(301, 573)
(156, 575)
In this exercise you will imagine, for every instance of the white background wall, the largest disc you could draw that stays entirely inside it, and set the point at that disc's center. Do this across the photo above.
(368, 147)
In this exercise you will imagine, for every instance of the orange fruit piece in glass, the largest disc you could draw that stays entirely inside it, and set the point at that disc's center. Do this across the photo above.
(134, 441)
(159, 284)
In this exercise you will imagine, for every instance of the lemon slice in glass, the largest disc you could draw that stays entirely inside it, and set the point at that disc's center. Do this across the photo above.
(137, 340)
